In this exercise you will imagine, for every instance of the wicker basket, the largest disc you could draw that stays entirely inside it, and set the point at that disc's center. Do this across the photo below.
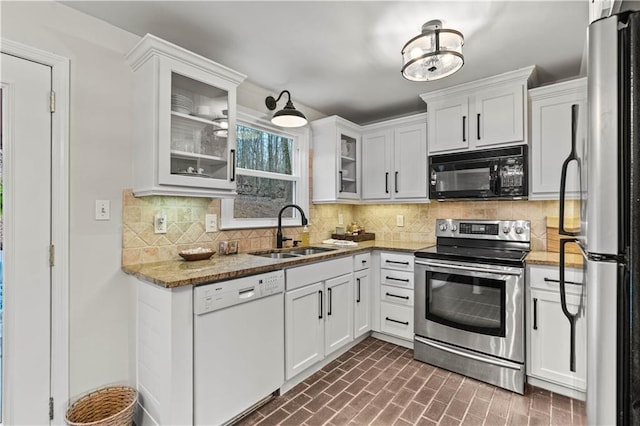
(110, 406)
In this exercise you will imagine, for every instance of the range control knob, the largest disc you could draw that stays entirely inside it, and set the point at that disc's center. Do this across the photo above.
(454, 228)
(443, 227)
(506, 229)
(519, 229)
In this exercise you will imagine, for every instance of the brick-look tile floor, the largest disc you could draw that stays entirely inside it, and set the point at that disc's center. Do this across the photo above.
(379, 383)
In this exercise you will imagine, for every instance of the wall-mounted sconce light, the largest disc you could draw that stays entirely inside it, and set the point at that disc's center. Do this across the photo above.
(289, 116)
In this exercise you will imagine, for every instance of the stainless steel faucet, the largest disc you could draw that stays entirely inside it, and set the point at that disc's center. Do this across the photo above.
(279, 237)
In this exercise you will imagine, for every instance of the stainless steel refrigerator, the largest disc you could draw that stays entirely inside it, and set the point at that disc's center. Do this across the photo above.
(609, 236)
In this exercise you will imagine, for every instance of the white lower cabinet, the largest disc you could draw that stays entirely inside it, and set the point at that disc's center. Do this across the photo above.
(396, 295)
(338, 313)
(362, 295)
(304, 328)
(318, 312)
(548, 337)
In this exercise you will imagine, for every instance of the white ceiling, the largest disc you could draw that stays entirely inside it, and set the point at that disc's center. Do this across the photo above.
(343, 57)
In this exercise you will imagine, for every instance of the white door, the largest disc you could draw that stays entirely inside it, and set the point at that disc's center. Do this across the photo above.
(304, 328)
(26, 144)
(449, 125)
(362, 310)
(376, 162)
(499, 116)
(339, 312)
(410, 158)
(551, 340)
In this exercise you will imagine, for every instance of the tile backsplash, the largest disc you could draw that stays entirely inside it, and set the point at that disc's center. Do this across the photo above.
(186, 227)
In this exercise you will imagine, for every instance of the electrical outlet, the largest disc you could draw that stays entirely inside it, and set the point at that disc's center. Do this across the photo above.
(160, 223)
(399, 220)
(340, 219)
(103, 209)
(211, 222)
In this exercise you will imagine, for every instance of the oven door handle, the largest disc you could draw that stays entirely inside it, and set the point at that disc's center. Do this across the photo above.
(455, 267)
(500, 363)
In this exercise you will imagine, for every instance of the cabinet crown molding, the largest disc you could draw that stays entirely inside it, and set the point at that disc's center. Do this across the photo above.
(526, 76)
(558, 89)
(150, 45)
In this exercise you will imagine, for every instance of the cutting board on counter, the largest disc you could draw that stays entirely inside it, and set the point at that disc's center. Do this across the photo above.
(360, 237)
(553, 237)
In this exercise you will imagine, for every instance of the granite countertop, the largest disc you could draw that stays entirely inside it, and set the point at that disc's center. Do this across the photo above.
(176, 273)
(553, 259)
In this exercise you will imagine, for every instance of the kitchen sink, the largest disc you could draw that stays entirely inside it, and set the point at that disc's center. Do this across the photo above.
(291, 253)
(310, 250)
(276, 255)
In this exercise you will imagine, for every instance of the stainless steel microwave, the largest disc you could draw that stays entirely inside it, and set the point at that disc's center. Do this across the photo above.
(492, 173)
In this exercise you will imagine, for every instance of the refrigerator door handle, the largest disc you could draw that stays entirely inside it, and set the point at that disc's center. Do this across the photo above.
(563, 176)
(563, 302)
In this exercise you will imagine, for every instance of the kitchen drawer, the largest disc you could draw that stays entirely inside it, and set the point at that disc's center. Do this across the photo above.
(396, 295)
(361, 261)
(396, 278)
(537, 275)
(396, 320)
(400, 262)
(315, 272)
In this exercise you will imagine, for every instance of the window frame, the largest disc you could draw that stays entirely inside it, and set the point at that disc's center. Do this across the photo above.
(300, 175)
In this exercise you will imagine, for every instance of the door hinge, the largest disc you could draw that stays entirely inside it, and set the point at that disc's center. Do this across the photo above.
(52, 255)
(51, 408)
(52, 101)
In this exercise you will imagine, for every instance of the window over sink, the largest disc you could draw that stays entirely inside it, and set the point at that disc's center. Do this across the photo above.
(272, 167)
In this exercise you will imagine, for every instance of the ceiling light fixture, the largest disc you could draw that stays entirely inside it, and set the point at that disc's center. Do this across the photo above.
(434, 54)
(289, 116)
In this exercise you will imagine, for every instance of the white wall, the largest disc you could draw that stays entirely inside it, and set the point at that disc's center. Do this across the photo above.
(100, 167)
(102, 297)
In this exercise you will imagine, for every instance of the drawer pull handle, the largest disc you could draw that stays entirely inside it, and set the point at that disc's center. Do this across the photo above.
(330, 301)
(321, 307)
(399, 297)
(358, 298)
(535, 313)
(399, 322)
(464, 126)
(404, 280)
(551, 280)
(397, 262)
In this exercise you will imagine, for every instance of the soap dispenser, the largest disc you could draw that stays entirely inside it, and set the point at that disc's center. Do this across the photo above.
(304, 238)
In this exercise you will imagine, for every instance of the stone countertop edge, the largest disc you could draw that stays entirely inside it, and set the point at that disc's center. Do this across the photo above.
(177, 273)
(550, 258)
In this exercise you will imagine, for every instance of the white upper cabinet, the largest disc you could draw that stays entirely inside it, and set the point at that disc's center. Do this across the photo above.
(551, 133)
(395, 160)
(603, 8)
(184, 122)
(336, 160)
(482, 114)
(500, 115)
(448, 124)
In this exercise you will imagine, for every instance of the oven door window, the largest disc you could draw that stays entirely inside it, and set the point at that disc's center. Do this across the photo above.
(466, 302)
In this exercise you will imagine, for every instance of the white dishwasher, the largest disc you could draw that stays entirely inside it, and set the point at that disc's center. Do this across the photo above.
(238, 345)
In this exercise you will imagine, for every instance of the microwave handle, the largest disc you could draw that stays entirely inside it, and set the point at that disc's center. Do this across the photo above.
(563, 176)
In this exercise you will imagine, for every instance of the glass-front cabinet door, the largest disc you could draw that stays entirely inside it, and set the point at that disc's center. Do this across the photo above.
(185, 114)
(348, 167)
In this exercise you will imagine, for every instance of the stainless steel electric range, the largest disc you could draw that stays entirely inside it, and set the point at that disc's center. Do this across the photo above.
(469, 300)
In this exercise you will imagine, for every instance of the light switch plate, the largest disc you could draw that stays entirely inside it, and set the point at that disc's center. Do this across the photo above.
(211, 223)
(340, 219)
(103, 209)
(160, 223)
(400, 220)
